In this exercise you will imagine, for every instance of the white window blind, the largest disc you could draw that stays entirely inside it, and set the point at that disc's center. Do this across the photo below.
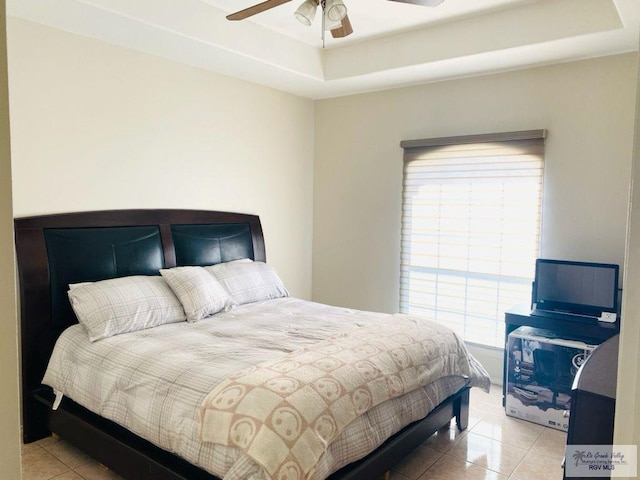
(470, 229)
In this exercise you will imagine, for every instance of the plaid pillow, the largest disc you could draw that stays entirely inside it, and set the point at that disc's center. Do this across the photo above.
(248, 281)
(200, 293)
(126, 304)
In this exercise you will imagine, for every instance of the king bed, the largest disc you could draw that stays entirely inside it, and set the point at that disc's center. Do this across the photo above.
(93, 388)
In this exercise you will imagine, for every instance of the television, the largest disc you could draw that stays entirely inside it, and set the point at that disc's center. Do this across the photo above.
(581, 289)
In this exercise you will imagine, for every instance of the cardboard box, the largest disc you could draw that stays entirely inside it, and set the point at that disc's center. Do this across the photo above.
(540, 371)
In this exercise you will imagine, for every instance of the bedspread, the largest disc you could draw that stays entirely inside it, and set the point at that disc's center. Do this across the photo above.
(285, 413)
(153, 381)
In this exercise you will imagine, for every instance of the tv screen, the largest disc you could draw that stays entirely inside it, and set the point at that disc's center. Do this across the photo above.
(576, 287)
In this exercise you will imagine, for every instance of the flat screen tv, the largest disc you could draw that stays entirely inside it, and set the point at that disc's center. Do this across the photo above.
(577, 288)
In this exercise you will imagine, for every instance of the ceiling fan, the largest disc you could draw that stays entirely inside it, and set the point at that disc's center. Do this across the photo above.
(335, 16)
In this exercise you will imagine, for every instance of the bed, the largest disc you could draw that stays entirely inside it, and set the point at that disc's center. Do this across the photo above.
(55, 251)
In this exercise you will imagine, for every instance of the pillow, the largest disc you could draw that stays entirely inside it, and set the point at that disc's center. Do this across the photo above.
(126, 304)
(249, 282)
(200, 293)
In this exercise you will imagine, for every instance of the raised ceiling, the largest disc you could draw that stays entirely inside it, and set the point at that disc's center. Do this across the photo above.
(393, 44)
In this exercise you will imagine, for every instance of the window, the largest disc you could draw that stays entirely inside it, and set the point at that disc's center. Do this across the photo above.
(470, 229)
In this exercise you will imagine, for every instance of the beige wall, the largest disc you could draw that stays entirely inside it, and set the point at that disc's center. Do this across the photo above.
(588, 108)
(97, 127)
(101, 127)
(627, 427)
(9, 399)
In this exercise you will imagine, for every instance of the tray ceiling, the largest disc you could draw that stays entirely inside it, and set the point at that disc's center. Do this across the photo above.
(393, 44)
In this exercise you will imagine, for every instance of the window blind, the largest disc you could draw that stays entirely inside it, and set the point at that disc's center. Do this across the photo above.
(471, 222)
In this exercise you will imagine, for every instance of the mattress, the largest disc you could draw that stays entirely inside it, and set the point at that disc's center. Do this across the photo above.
(153, 381)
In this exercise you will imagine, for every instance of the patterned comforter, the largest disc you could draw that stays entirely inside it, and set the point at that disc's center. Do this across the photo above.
(153, 381)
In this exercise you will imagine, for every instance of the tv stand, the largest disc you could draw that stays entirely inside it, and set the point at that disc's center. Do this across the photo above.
(593, 333)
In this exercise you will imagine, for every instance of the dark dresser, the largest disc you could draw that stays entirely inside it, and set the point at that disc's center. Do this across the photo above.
(593, 397)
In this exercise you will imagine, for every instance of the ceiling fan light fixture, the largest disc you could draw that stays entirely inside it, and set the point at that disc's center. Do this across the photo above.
(335, 10)
(306, 12)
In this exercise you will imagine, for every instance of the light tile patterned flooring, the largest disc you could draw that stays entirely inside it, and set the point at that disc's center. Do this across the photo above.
(494, 447)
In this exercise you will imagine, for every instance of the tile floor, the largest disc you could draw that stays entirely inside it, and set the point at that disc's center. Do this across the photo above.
(494, 447)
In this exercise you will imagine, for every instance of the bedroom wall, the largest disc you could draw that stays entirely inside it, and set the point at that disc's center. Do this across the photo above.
(627, 426)
(588, 108)
(9, 397)
(97, 127)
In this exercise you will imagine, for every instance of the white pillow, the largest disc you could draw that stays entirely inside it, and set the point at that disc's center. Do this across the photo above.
(249, 282)
(200, 293)
(126, 304)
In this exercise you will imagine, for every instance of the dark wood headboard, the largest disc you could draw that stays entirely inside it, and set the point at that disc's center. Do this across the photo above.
(56, 250)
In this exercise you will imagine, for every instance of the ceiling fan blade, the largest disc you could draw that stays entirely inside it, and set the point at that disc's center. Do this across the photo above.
(344, 30)
(424, 3)
(259, 8)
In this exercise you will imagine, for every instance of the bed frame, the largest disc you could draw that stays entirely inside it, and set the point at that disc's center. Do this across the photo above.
(56, 250)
